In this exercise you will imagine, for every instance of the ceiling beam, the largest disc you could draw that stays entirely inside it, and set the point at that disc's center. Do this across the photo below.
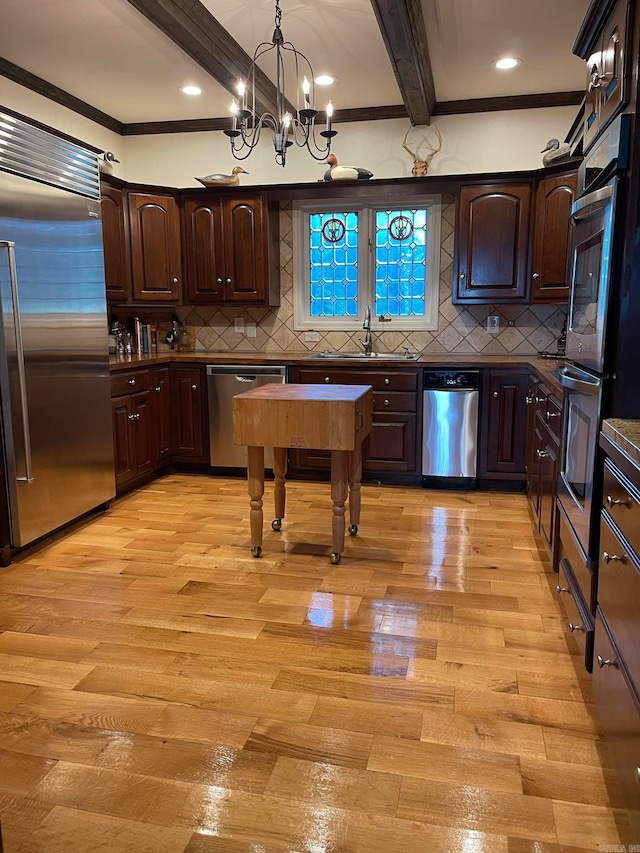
(190, 25)
(509, 102)
(403, 30)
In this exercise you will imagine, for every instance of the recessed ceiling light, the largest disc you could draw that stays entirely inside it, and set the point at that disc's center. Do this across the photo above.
(507, 62)
(325, 80)
(191, 90)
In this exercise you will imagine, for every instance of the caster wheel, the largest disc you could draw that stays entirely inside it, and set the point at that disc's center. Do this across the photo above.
(335, 558)
(353, 530)
(257, 551)
(276, 524)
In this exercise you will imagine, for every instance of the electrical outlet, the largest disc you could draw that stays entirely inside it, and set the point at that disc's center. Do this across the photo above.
(493, 324)
(238, 325)
(250, 329)
(311, 337)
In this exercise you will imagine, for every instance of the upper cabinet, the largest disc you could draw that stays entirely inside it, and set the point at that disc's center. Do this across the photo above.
(551, 252)
(231, 250)
(493, 240)
(155, 248)
(115, 238)
(602, 42)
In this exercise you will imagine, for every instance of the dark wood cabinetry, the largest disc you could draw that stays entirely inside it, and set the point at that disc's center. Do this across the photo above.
(493, 241)
(117, 247)
(392, 444)
(543, 450)
(155, 248)
(231, 251)
(551, 265)
(504, 425)
(132, 426)
(161, 393)
(188, 413)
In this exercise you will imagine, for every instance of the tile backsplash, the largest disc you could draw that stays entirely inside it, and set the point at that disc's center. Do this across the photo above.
(524, 329)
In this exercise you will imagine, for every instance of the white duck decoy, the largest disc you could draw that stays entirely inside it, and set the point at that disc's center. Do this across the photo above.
(553, 152)
(344, 173)
(231, 180)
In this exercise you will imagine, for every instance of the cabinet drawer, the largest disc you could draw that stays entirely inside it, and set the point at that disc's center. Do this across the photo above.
(380, 380)
(553, 416)
(130, 382)
(569, 550)
(579, 620)
(395, 401)
(540, 399)
(619, 716)
(620, 502)
(618, 596)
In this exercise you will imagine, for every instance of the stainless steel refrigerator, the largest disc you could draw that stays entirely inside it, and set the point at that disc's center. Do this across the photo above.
(54, 365)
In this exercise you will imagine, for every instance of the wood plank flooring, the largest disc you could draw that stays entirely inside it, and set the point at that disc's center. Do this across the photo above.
(161, 690)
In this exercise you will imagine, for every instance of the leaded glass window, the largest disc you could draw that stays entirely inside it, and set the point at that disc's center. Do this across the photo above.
(400, 265)
(333, 262)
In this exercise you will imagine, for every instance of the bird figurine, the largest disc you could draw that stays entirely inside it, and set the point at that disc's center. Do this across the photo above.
(344, 173)
(231, 180)
(555, 153)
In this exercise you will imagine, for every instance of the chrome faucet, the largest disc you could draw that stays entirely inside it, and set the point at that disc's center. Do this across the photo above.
(367, 343)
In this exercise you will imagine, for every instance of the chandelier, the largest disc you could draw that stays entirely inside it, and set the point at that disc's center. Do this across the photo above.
(288, 126)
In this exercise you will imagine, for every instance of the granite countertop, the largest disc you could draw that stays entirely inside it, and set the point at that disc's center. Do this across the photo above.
(545, 367)
(625, 434)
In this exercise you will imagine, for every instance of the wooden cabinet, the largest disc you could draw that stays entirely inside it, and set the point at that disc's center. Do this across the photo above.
(602, 42)
(551, 265)
(134, 448)
(189, 413)
(504, 425)
(392, 444)
(155, 248)
(616, 671)
(493, 244)
(231, 250)
(543, 451)
(117, 247)
(161, 394)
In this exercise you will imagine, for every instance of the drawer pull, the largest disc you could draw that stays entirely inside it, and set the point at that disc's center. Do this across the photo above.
(573, 627)
(528, 400)
(327, 379)
(158, 388)
(540, 399)
(560, 589)
(386, 402)
(552, 415)
(495, 395)
(131, 382)
(618, 501)
(602, 662)
(541, 454)
(387, 380)
(613, 558)
(194, 387)
(134, 417)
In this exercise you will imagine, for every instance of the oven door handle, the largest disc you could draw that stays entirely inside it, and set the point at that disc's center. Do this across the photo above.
(574, 383)
(604, 194)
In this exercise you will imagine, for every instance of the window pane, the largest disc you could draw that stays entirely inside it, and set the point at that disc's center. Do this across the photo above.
(401, 255)
(333, 254)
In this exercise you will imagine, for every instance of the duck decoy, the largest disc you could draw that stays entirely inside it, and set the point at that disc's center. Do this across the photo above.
(231, 180)
(344, 173)
(554, 152)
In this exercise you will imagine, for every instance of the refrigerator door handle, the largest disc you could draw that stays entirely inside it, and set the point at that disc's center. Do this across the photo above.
(22, 379)
(575, 383)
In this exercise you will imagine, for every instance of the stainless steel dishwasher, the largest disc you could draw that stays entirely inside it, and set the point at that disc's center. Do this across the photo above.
(450, 428)
(223, 383)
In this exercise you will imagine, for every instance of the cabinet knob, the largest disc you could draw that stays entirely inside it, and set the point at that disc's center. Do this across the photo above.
(228, 280)
(219, 280)
(573, 627)
(618, 501)
(560, 589)
(327, 379)
(387, 380)
(613, 558)
(386, 402)
(194, 387)
(158, 388)
(541, 454)
(495, 395)
(175, 280)
(131, 382)
(536, 275)
(602, 662)
(528, 400)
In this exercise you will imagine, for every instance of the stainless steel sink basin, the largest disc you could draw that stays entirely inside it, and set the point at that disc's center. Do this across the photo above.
(360, 356)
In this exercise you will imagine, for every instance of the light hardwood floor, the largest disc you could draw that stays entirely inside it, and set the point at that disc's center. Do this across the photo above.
(161, 690)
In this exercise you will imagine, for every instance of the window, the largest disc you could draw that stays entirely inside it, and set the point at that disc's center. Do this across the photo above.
(380, 253)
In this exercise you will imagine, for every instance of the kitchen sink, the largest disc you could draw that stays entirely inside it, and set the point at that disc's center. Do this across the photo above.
(361, 356)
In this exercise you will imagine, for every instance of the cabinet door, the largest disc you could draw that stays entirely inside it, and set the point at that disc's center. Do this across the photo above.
(203, 250)
(143, 445)
(245, 250)
(493, 244)
(115, 239)
(155, 248)
(551, 250)
(613, 85)
(391, 444)
(504, 425)
(122, 440)
(161, 413)
(187, 413)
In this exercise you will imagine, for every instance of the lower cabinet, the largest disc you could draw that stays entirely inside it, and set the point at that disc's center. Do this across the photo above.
(503, 425)
(189, 413)
(392, 445)
(543, 444)
(134, 449)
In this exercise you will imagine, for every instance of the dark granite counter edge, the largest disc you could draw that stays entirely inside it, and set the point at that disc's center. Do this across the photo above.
(625, 434)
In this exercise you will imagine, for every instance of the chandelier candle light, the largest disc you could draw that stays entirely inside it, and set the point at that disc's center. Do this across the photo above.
(287, 128)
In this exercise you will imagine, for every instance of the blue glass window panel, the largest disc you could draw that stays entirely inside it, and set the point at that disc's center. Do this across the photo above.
(352, 290)
(352, 308)
(334, 264)
(400, 264)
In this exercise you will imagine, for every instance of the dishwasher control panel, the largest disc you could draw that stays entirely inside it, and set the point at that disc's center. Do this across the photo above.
(451, 379)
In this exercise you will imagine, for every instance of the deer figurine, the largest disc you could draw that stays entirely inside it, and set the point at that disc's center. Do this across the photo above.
(420, 167)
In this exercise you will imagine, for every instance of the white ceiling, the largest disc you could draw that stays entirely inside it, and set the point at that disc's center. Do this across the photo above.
(107, 54)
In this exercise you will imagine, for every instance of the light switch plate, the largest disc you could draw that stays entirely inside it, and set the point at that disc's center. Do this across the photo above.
(493, 324)
(311, 337)
(238, 325)
(250, 329)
